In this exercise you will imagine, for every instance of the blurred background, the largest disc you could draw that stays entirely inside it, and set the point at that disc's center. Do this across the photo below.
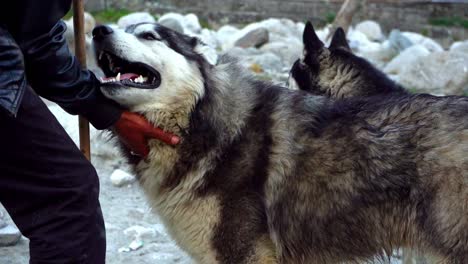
(421, 44)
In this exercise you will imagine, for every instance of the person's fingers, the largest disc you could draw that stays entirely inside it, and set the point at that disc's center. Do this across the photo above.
(157, 133)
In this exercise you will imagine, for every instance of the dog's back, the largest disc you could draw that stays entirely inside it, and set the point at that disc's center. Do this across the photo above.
(377, 176)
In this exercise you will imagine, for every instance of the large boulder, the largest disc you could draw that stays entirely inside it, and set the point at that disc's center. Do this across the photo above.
(406, 59)
(429, 43)
(192, 23)
(438, 73)
(399, 41)
(9, 234)
(358, 41)
(135, 18)
(254, 38)
(173, 21)
(460, 46)
(188, 24)
(371, 29)
(378, 54)
(225, 34)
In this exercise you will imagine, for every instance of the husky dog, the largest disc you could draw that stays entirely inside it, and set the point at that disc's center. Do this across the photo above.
(265, 174)
(336, 72)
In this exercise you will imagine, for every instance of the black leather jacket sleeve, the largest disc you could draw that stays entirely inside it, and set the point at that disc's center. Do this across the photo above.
(56, 75)
(12, 79)
(51, 70)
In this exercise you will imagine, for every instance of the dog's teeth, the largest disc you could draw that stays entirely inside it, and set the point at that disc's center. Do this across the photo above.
(100, 55)
(118, 77)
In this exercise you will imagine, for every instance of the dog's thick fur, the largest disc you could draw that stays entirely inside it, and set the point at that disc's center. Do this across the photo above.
(265, 174)
(336, 72)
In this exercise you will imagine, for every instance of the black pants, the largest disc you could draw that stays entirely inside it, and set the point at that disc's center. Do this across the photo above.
(49, 188)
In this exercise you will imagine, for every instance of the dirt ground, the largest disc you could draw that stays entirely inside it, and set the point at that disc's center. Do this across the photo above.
(122, 208)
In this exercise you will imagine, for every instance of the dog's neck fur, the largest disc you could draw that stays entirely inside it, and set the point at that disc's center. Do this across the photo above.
(345, 80)
(223, 100)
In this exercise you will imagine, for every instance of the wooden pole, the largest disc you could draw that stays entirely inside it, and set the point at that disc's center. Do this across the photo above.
(80, 53)
(345, 16)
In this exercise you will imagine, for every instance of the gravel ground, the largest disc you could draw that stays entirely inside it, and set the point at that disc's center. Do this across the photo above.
(122, 208)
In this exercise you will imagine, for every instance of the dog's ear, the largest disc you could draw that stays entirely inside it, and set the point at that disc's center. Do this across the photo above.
(312, 43)
(206, 51)
(339, 40)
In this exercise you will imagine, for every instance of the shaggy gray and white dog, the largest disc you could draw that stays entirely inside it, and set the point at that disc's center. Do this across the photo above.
(265, 174)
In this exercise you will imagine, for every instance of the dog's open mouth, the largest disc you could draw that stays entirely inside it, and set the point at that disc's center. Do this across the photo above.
(133, 74)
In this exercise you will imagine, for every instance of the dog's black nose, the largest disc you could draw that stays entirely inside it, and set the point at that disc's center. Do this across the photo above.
(102, 31)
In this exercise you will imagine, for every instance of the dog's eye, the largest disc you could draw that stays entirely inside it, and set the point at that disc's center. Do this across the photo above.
(148, 36)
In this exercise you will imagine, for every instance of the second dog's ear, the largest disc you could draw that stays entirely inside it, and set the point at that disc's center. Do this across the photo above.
(312, 43)
(339, 40)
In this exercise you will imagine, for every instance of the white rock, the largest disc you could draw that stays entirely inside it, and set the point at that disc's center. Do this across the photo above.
(124, 250)
(192, 23)
(371, 29)
(460, 46)
(281, 28)
(322, 34)
(174, 21)
(120, 178)
(357, 40)
(2, 219)
(240, 52)
(268, 61)
(135, 18)
(398, 41)
(300, 28)
(140, 232)
(289, 51)
(89, 23)
(429, 43)
(378, 54)
(226, 36)
(253, 38)
(209, 37)
(9, 235)
(135, 245)
(406, 59)
(438, 73)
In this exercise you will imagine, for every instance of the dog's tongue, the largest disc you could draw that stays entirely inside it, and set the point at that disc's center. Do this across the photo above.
(125, 76)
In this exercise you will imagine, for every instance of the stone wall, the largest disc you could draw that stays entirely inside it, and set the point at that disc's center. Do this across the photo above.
(408, 15)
